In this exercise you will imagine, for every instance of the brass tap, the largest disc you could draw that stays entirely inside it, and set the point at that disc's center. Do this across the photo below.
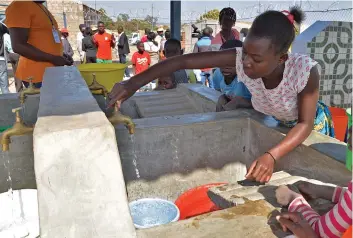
(17, 129)
(95, 86)
(31, 90)
(118, 118)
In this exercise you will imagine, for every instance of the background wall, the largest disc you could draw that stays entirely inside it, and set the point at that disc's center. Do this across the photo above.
(332, 49)
(330, 44)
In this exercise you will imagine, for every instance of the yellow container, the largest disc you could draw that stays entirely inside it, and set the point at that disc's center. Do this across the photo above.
(106, 74)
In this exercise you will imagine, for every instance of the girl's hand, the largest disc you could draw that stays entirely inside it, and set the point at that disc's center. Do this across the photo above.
(120, 92)
(261, 169)
(285, 195)
(296, 224)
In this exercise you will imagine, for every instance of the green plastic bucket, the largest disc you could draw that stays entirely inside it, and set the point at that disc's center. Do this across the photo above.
(349, 142)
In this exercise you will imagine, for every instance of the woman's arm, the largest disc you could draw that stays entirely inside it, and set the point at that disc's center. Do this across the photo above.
(211, 59)
(19, 38)
(261, 169)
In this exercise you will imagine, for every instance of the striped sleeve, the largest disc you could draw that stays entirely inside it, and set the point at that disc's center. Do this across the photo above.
(338, 194)
(335, 222)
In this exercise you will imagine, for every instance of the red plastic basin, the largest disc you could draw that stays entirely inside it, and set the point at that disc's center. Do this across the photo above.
(195, 201)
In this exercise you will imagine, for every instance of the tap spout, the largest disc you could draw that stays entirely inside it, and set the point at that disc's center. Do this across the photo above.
(31, 90)
(97, 88)
(118, 118)
(16, 130)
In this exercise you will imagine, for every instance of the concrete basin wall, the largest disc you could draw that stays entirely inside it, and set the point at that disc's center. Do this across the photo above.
(163, 161)
(21, 164)
(171, 154)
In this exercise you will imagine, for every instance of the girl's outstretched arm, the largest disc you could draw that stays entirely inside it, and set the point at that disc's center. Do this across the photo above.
(126, 89)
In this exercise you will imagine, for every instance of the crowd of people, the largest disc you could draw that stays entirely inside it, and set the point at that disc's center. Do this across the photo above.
(256, 73)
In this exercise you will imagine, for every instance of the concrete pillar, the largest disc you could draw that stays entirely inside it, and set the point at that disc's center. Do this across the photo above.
(81, 189)
(175, 19)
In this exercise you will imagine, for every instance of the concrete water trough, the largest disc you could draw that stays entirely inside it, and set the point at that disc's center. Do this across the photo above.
(86, 171)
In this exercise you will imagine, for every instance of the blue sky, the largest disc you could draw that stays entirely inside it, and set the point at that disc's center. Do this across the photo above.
(245, 9)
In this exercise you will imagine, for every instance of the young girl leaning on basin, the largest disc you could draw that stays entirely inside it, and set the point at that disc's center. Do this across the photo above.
(285, 86)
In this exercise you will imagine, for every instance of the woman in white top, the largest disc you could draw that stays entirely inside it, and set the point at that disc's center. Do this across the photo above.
(151, 46)
(283, 85)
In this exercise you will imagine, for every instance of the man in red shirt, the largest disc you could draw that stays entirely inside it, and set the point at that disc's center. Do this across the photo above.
(105, 42)
(141, 60)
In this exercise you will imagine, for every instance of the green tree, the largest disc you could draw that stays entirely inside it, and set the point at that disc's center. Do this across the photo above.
(210, 15)
(123, 17)
(151, 20)
(105, 18)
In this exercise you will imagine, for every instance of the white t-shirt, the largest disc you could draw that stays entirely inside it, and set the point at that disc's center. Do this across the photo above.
(151, 47)
(282, 101)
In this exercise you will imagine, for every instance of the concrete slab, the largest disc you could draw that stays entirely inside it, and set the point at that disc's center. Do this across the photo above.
(81, 190)
(238, 193)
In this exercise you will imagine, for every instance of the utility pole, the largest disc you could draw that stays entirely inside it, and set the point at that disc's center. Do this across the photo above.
(95, 11)
(152, 17)
(228, 4)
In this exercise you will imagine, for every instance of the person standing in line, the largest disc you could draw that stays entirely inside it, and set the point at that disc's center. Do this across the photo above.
(89, 46)
(167, 36)
(141, 60)
(104, 42)
(144, 38)
(68, 52)
(79, 38)
(227, 19)
(123, 48)
(36, 38)
(12, 58)
(151, 46)
(203, 45)
(4, 82)
(159, 37)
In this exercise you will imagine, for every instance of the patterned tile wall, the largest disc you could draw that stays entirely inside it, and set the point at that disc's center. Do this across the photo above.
(332, 49)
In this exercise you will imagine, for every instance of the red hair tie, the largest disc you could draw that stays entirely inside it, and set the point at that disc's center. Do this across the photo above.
(289, 16)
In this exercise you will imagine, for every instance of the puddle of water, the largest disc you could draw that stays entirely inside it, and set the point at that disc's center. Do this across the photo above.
(134, 160)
